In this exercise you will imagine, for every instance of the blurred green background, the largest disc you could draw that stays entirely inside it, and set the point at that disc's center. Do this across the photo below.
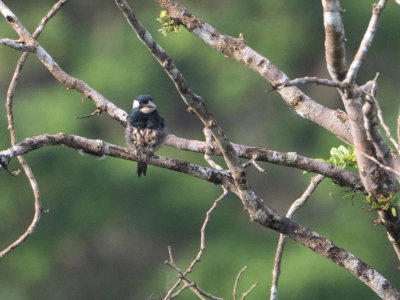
(106, 233)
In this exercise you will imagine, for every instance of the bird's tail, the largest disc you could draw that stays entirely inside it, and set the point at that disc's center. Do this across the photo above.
(141, 168)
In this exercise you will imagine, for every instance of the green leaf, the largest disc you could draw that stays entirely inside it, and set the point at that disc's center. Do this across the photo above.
(393, 211)
(167, 23)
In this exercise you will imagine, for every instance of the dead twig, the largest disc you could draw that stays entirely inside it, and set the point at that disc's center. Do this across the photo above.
(98, 111)
(366, 41)
(319, 81)
(246, 293)
(315, 181)
(253, 162)
(372, 95)
(183, 275)
(237, 282)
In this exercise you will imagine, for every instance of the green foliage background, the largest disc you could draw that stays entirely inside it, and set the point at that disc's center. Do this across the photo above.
(106, 233)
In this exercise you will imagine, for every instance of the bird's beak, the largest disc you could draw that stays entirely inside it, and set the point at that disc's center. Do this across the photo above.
(150, 105)
(147, 108)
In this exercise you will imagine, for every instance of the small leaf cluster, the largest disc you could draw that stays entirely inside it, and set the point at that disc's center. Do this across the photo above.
(167, 23)
(342, 157)
(385, 204)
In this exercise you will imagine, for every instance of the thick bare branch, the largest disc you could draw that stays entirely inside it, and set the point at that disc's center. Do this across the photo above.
(236, 48)
(99, 147)
(326, 248)
(335, 50)
(288, 159)
(376, 180)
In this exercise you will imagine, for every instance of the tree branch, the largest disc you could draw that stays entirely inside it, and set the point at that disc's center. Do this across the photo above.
(366, 41)
(10, 117)
(188, 284)
(335, 50)
(320, 81)
(17, 45)
(383, 124)
(382, 150)
(287, 159)
(254, 205)
(246, 293)
(315, 181)
(237, 282)
(201, 250)
(70, 82)
(238, 49)
(99, 147)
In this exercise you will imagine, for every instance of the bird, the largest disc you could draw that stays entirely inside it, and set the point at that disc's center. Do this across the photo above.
(146, 131)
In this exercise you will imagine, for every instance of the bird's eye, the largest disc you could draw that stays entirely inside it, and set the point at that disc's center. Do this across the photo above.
(145, 101)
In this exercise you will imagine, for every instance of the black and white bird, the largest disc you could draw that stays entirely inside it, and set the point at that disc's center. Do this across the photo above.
(146, 131)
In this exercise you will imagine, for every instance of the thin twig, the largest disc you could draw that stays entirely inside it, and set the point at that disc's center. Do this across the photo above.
(203, 231)
(237, 282)
(246, 293)
(315, 181)
(201, 250)
(380, 114)
(11, 128)
(351, 91)
(366, 41)
(316, 80)
(191, 285)
(370, 111)
(98, 111)
(253, 162)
